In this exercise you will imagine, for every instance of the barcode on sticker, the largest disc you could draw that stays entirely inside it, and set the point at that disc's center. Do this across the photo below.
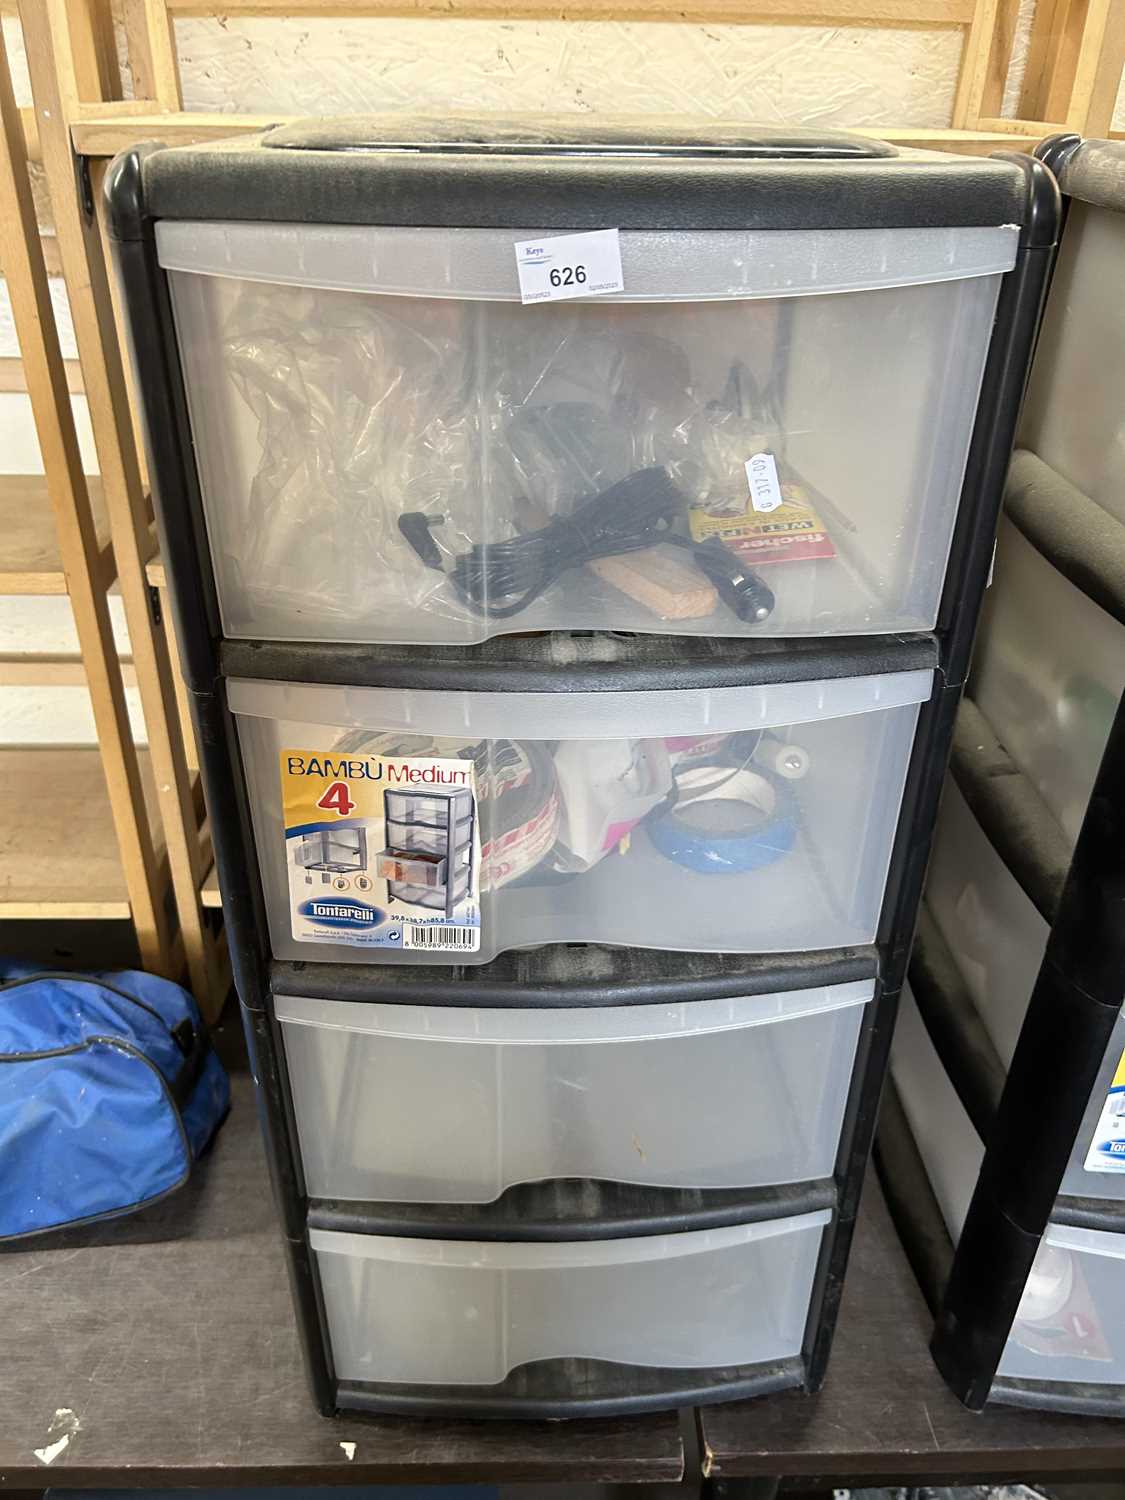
(765, 488)
(443, 937)
(569, 265)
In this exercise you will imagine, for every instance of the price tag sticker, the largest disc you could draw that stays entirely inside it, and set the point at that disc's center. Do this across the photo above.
(761, 476)
(569, 265)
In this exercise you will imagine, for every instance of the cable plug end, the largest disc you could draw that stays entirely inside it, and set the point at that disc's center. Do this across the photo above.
(739, 588)
(415, 527)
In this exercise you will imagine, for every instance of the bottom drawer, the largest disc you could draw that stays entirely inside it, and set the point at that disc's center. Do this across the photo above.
(450, 1312)
(1071, 1321)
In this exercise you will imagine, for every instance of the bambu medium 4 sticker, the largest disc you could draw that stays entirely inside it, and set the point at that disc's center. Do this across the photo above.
(382, 851)
(1107, 1149)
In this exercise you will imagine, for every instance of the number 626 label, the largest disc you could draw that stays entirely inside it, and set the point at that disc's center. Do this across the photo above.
(569, 265)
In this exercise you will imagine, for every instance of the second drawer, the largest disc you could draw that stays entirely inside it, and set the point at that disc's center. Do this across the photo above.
(447, 1104)
(739, 819)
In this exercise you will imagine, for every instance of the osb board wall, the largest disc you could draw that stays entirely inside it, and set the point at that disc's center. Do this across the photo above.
(828, 75)
(806, 74)
(792, 74)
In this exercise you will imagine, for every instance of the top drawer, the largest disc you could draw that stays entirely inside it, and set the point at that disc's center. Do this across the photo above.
(390, 445)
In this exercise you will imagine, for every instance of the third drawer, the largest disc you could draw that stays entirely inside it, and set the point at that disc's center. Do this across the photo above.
(448, 1104)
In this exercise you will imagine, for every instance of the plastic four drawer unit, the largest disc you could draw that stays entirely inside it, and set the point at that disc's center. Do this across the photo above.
(1009, 1060)
(576, 540)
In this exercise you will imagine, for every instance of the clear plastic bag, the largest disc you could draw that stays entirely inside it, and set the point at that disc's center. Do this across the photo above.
(370, 409)
(434, 463)
(361, 414)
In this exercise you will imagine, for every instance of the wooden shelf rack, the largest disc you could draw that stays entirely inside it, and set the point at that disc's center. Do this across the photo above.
(111, 831)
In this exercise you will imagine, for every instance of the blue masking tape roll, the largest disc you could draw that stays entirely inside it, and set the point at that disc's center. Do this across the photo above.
(726, 822)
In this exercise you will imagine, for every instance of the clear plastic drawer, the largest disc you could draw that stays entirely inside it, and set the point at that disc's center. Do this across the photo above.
(993, 930)
(448, 1104)
(738, 819)
(1048, 673)
(950, 1148)
(1071, 1320)
(1072, 413)
(997, 939)
(392, 448)
(454, 1312)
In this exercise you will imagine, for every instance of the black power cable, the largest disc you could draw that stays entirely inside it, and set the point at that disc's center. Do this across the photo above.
(635, 513)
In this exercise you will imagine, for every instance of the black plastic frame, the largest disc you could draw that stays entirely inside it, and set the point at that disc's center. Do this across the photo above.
(592, 663)
(613, 174)
(604, 664)
(557, 976)
(575, 1208)
(575, 1388)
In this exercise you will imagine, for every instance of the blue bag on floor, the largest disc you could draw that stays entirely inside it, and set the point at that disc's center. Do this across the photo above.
(109, 1092)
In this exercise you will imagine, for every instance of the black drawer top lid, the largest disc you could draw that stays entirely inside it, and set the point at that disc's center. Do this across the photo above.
(1092, 171)
(546, 172)
(548, 135)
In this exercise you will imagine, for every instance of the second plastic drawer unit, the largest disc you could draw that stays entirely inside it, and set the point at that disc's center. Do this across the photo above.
(437, 1312)
(1032, 1313)
(453, 1104)
(733, 819)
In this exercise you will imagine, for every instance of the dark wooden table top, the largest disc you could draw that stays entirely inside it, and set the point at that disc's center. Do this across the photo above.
(884, 1414)
(162, 1347)
(168, 1338)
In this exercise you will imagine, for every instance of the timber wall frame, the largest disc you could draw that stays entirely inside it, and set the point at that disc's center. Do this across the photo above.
(93, 535)
(1070, 82)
